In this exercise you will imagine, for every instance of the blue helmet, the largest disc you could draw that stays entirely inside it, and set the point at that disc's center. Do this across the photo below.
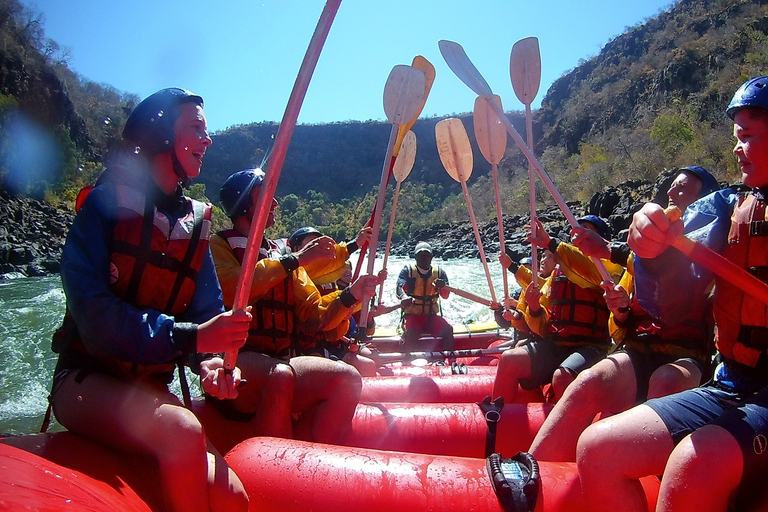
(752, 93)
(150, 127)
(603, 229)
(295, 239)
(710, 184)
(235, 193)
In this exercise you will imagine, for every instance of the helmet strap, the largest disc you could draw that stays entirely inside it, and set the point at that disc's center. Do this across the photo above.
(179, 169)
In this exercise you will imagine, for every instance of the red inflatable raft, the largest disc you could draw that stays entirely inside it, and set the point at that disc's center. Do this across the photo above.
(433, 388)
(297, 476)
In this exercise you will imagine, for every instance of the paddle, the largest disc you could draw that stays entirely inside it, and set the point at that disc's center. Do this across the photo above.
(525, 72)
(719, 265)
(444, 354)
(275, 165)
(402, 168)
(463, 68)
(469, 295)
(492, 140)
(425, 66)
(456, 155)
(403, 99)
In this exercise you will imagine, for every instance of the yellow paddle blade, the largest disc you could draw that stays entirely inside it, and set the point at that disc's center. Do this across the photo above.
(525, 69)
(428, 69)
(406, 158)
(454, 148)
(490, 133)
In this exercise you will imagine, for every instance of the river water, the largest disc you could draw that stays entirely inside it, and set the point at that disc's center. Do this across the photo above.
(32, 308)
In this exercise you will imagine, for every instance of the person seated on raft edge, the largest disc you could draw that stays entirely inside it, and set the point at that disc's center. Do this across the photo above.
(653, 358)
(707, 442)
(338, 343)
(567, 314)
(128, 325)
(512, 318)
(419, 288)
(282, 381)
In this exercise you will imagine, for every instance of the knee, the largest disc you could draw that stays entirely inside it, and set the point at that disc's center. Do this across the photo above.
(561, 379)
(588, 389)
(667, 380)
(282, 380)
(180, 433)
(594, 450)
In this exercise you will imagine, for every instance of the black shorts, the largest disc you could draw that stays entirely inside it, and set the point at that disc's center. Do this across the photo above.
(546, 357)
(645, 363)
(744, 417)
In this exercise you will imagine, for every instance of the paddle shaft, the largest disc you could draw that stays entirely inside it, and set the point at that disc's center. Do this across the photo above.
(444, 354)
(547, 181)
(500, 221)
(275, 164)
(532, 191)
(389, 235)
(468, 295)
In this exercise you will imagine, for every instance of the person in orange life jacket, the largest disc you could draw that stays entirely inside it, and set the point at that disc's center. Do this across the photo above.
(708, 442)
(568, 317)
(327, 271)
(419, 288)
(333, 343)
(323, 393)
(653, 359)
(142, 296)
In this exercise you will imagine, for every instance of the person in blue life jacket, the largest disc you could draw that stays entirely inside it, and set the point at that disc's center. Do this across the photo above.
(420, 286)
(708, 442)
(143, 298)
(652, 359)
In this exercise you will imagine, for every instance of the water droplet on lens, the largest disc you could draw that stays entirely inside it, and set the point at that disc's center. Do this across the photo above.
(186, 149)
(107, 121)
(136, 150)
(160, 114)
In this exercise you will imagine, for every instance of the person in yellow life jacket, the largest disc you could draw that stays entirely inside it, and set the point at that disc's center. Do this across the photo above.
(512, 318)
(143, 298)
(654, 358)
(568, 316)
(338, 342)
(420, 286)
(282, 381)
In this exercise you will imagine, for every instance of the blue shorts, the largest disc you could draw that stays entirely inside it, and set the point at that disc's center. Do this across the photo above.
(546, 357)
(744, 417)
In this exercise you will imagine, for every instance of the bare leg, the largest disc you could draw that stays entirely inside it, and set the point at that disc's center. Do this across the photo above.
(561, 379)
(703, 472)
(226, 492)
(365, 366)
(327, 393)
(608, 386)
(145, 418)
(268, 393)
(616, 452)
(672, 378)
(515, 364)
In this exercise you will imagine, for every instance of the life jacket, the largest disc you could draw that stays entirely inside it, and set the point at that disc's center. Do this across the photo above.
(578, 315)
(153, 264)
(687, 338)
(424, 293)
(742, 321)
(273, 328)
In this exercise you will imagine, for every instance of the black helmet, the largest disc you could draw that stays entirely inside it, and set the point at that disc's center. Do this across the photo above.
(709, 183)
(235, 192)
(150, 125)
(295, 239)
(752, 93)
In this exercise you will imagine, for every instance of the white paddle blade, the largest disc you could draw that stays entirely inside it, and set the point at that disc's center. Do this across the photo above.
(525, 69)
(462, 67)
(406, 158)
(403, 94)
(454, 148)
(490, 133)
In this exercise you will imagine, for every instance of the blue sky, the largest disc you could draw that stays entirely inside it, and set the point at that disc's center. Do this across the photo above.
(242, 56)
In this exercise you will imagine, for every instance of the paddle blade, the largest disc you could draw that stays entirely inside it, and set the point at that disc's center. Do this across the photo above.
(406, 158)
(462, 67)
(454, 148)
(428, 69)
(490, 133)
(525, 69)
(403, 94)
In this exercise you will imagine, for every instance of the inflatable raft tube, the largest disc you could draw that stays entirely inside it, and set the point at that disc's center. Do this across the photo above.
(64, 471)
(289, 475)
(437, 389)
(445, 429)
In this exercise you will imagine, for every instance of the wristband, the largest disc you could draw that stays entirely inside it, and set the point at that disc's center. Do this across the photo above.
(289, 262)
(347, 299)
(552, 245)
